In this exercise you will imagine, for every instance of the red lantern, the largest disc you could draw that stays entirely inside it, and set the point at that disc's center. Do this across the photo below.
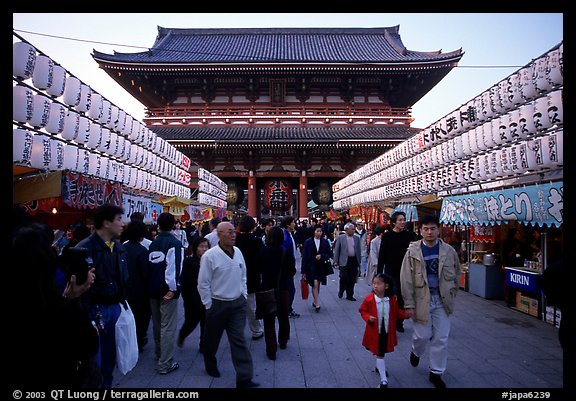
(277, 195)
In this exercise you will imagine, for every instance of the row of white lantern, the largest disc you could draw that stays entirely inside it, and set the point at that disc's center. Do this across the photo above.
(72, 126)
(528, 83)
(544, 152)
(134, 155)
(210, 178)
(530, 119)
(44, 152)
(49, 76)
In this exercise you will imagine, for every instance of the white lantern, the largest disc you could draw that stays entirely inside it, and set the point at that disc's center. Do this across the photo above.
(478, 115)
(514, 125)
(113, 146)
(495, 130)
(480, 138)
(83, 161)
(553, 149)
(458, 147)
(483, 167)
(488, 111)
(104, 167)
(95, 165)
(555, 108)
(553, 70)
(119, 126)
(113, 117)
(106, 112)
(71, 125)
(492, 169)
(40, 111)
(505, 161)
(515, 89)
(527, 86)
(83, 130)
(95, 136)
(71, 157)
(95, 111)
(521, 158)
(120, 172)
(72, 91)
(504, 103)
(43, 72)
(23, 60)
(58, 82)
(57, 153)
(495, 102)
(133, 153)
(21, 146)
(121, 143)
(534, 154)
(104, 144)
(85, 98)
(473, 142)
(22, 103)
(540, 78)
(540, 116)
(41, 152)
(56, 119)
(133, 177)
(527, 127)
(453, 124)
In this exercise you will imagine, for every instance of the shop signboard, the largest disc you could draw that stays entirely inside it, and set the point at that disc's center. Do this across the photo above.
(84, 192)
(132, 204)
(541, 204)
(522, 280)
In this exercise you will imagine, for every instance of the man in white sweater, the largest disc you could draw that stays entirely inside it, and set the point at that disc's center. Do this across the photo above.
(223, 290)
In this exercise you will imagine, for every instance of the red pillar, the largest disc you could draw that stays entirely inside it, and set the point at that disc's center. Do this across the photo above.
(303, 196)
(252, 195)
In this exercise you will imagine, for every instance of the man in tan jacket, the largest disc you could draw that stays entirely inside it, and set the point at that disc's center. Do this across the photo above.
(429, 278)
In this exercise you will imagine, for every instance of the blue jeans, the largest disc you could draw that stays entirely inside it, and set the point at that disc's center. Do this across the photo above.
(106, 357)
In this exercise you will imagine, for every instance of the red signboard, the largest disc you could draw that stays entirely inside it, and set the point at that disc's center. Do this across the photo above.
(82, 192)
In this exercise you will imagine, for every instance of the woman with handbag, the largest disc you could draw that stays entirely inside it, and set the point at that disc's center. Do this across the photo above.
(316, 263)
(274, 268)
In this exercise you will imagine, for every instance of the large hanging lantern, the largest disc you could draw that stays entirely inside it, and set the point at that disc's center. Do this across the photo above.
(23, 60)
(322, 195)
(21, 146)
(277, 195)
(43, 72)
(235, 194)
(22, 103)
(58, 81)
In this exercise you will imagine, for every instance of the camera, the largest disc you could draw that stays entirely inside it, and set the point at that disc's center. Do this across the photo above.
(77, 262)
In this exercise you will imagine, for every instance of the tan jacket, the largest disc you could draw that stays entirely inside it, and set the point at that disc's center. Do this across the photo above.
(414, 280)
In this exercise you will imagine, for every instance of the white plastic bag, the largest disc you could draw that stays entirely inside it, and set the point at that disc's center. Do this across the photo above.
(126, 340)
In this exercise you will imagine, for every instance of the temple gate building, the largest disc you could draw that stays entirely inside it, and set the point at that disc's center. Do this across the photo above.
(280, 113)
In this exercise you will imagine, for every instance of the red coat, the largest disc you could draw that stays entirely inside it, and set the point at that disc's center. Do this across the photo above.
(367, 309)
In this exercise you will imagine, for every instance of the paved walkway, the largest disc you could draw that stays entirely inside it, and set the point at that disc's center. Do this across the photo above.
(491, 346)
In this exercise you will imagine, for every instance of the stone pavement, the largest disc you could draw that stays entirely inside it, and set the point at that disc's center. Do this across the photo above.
(491, 346)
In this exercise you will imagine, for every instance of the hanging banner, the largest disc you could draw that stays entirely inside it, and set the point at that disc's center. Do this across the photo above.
(132, 204)
(482, 234)
(540, 205)
(409, 210)
(83, 192)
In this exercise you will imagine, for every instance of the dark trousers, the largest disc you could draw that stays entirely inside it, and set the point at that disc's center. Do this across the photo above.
(348, 276)
(194, 313)
(292, 293)
(229, 316)
(142, 314)
(283, 324)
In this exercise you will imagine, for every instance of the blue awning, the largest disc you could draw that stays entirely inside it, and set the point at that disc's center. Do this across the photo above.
(409, 209)
(539, 205)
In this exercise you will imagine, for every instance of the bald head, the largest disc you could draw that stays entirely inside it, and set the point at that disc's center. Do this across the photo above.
(226, 235)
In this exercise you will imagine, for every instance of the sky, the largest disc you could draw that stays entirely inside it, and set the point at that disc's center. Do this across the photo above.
(506, 41)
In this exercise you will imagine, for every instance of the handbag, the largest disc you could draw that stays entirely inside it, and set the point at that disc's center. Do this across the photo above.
(126, 340)
(266, 304)
(328, 269)
(304, 288)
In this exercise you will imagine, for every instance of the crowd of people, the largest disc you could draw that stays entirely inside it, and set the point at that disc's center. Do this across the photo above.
(218, 269)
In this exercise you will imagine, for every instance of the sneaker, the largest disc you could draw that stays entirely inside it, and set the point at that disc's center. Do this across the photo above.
(436, 380)
(414, 360)
(171, 369)
(383, 385)
(258, 336)
(247, 384)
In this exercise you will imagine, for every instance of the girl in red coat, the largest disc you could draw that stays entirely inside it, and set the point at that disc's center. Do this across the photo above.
(380, 311)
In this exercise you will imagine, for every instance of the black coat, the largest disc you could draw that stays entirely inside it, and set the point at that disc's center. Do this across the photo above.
(137, 260)
(310, 266)
(275, 268)
(250, 246)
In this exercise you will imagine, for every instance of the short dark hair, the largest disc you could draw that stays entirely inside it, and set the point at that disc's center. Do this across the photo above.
(196, 243)
(165, 221)
(137, 216)
(429, 219)
(106, 212)
(378, 230)
(135, 231)
(287, 220)
(395, 215)
(275, 236)
(247, 224)
(214, 222)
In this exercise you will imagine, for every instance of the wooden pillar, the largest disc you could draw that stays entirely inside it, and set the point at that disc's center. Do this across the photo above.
(252, 195)
(303, 196)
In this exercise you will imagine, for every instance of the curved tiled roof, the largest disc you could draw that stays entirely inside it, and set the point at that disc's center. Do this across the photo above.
(289, 135)
(278, 45)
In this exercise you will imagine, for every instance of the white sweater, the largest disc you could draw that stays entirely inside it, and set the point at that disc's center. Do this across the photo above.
(221, 277)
